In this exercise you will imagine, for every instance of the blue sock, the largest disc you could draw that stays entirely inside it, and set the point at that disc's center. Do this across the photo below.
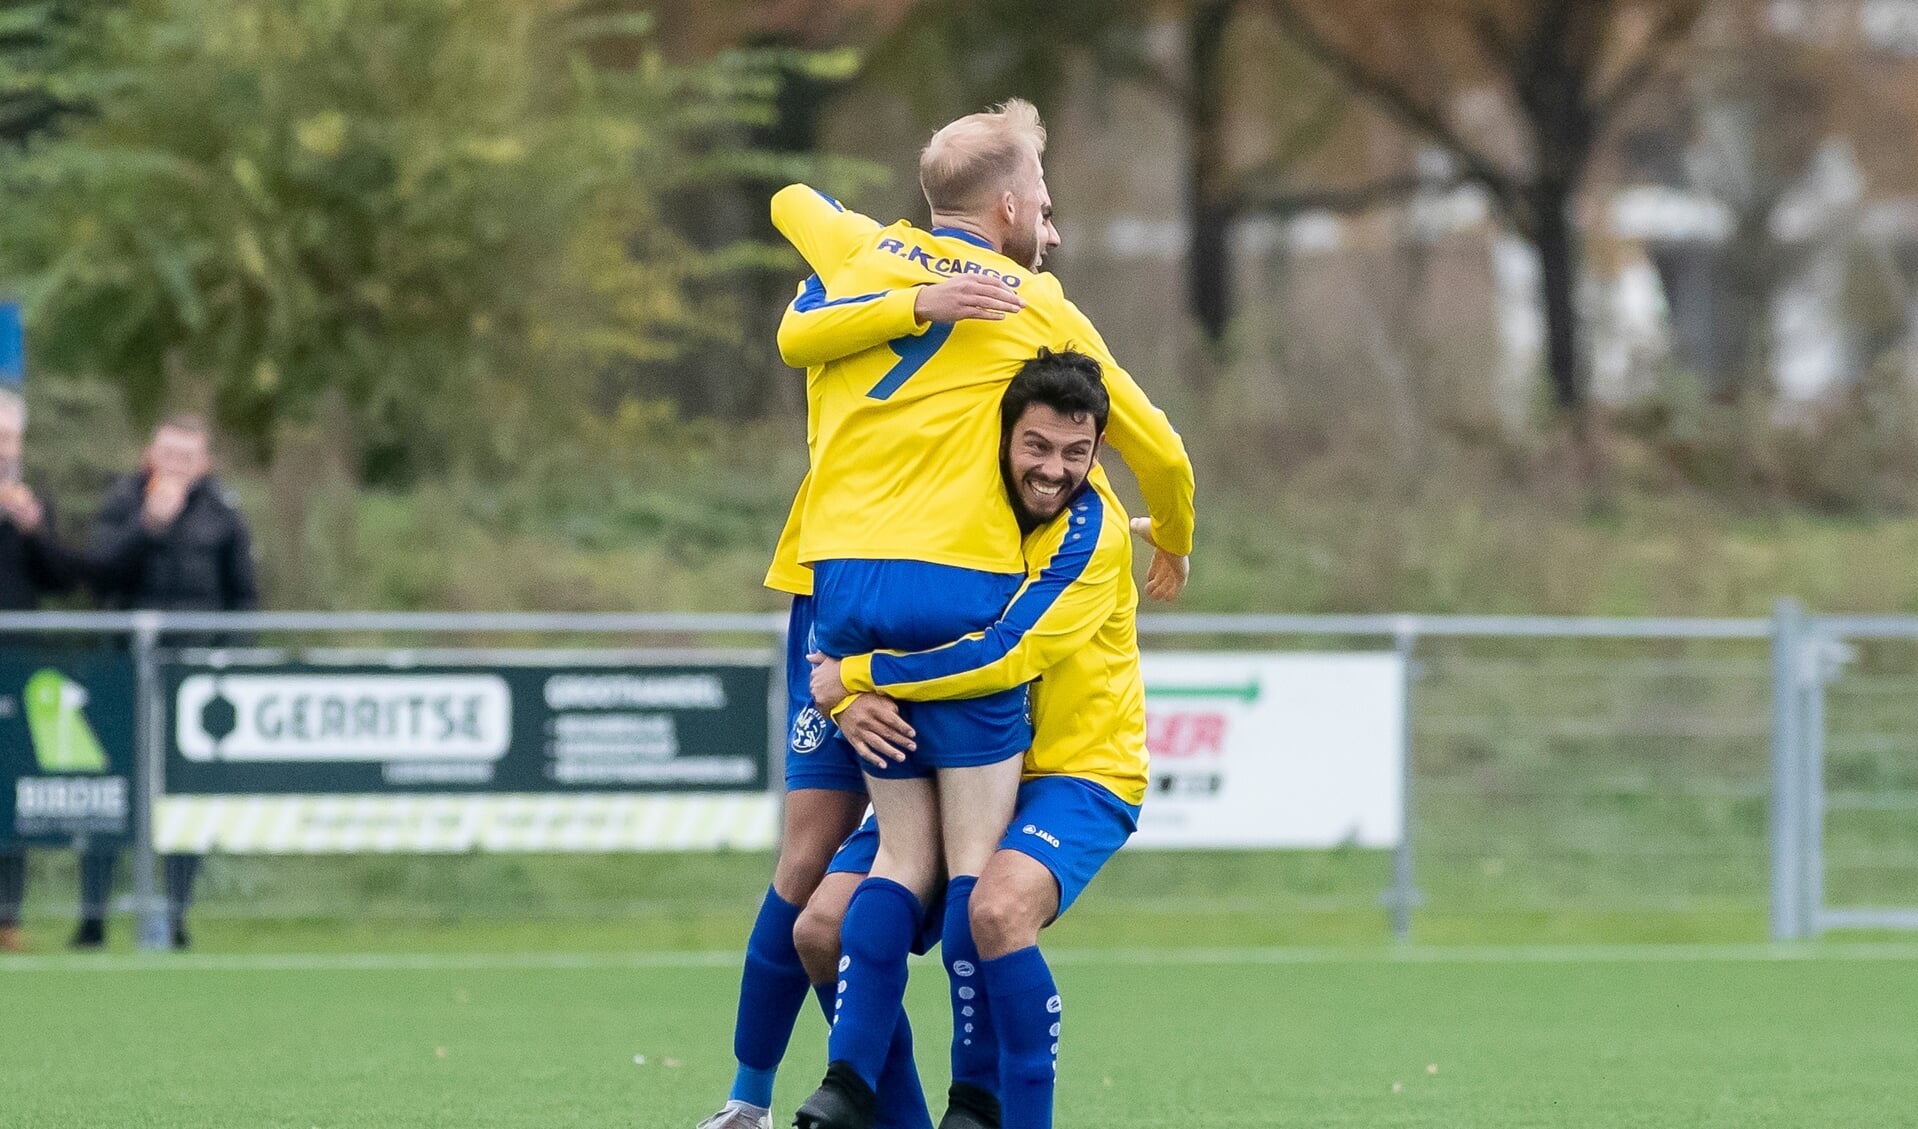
(771, 992)
(880, 925)
(975, 1045)
(1026, 1011)
(902, 1100)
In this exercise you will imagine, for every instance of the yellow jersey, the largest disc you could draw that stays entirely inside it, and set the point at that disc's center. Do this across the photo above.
(786, 574)
(904, 430)
(1072, 632)
(806, 343)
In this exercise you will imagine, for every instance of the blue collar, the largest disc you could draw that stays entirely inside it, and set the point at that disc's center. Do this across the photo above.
(967, 236)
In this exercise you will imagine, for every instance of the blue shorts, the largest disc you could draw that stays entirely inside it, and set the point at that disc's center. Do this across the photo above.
(817, 756)
(1068, 825)
(866, 606)
(1071, 827)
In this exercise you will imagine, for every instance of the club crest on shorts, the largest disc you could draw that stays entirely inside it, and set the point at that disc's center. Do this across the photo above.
(809, 730)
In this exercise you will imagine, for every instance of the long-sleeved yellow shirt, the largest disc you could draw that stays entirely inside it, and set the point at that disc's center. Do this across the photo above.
(810, 341)
(904, 430)
(1072, 632)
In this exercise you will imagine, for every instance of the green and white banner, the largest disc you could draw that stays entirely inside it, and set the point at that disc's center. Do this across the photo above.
(66, 744)
(1274, 750)
(488, 755)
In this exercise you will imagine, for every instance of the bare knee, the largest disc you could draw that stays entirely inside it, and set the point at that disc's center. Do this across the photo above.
(1003, 920)
(816, 936)
(798, 872)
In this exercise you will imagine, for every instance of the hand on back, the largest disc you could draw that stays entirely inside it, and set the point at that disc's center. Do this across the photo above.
(967, 296)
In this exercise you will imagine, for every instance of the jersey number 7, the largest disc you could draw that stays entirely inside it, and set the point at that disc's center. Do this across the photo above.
(914, 351)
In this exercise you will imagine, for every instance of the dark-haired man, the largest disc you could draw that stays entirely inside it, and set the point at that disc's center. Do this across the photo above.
(1071, 632)
(167, 538)
(903, 521)
(900, 537)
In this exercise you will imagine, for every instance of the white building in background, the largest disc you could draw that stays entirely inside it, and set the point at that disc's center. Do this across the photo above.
(1422, 300)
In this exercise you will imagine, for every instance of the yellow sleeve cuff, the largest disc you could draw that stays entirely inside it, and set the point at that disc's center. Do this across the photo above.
(855, 674)
(898, 306)
(848, 700)
(1163, 536)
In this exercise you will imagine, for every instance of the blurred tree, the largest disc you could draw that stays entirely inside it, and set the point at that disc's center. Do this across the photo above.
(438, 209)
(28, 31)
(1759, 108)
(1795, 118)
(801, 49)
(1252, 108)
(1519, 93)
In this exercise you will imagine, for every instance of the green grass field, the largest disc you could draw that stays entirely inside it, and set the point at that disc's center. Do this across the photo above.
(1609, 801)
(1592, 1037)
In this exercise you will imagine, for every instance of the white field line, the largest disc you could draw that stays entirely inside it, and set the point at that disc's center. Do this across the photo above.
(465, 962)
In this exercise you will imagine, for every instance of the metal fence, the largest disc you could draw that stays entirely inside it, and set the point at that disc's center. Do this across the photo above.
(1849, 788)
(1556, 766)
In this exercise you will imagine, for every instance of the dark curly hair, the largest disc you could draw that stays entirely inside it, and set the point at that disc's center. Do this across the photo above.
(1068, 382)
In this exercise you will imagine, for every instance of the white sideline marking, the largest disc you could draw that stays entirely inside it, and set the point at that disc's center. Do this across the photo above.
(464, 962)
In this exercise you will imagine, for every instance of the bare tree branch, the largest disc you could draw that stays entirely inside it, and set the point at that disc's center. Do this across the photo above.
(1492, 40)
(1350, 201)
(1156, 77)
(1669, 30)
(1401, 104)
(1318, 125)
(1545, 49)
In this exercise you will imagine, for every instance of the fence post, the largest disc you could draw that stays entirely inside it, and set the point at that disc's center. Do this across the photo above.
(1815, 671)
(149, 738)
(1787, 861)
(779, 730)
(1404, 896)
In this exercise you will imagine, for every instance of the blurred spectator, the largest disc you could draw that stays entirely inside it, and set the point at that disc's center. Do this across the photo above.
(33, 564)
(168, 538)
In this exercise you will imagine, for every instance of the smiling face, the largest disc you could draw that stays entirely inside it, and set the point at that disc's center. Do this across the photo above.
(1048, 455)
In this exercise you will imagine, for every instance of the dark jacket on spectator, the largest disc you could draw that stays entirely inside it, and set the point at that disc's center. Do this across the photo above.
(202, 562)
(36, 565)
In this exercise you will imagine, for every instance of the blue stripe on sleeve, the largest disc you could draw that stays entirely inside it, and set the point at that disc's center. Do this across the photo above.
(814, 297)
(1068, 563)
(836, 205)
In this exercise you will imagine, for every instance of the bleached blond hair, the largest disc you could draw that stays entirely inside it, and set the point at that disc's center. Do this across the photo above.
(980, 155)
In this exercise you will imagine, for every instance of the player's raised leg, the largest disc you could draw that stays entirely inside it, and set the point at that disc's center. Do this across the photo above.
(975, 805)
(901, 1097)
(881, 922)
